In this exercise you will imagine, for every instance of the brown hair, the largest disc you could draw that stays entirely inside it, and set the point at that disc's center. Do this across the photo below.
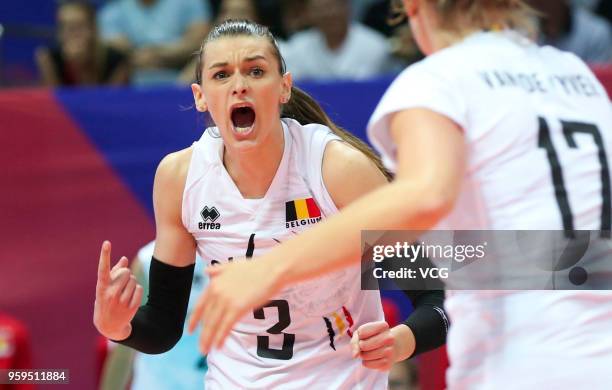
(85, 6)
(459, 16)
(98, 54)
(301, 107)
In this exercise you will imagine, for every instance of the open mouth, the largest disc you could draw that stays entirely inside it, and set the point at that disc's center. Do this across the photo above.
(243, 119)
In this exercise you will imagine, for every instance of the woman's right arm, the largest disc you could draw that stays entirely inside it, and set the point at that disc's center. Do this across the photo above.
(174, 245)
(156, 326)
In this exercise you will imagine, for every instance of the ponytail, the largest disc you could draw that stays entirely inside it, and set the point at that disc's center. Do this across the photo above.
(304, 109)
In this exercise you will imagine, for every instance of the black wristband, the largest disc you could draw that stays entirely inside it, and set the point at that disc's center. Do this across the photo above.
(428, 321)
(158, 325)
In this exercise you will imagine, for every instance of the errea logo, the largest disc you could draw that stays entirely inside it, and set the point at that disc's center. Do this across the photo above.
(209, 216)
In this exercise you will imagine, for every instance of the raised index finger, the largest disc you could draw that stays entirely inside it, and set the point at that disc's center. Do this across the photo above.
(104, 264)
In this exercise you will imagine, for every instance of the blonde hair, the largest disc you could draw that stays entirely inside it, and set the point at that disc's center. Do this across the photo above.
(458, 18)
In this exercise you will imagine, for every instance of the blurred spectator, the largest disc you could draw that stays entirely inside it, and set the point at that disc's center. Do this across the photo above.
(269, 13)
(228, 9)
(404, 47)
(590, 4)
(381, 16)
(271, 16)
(80, 58)
(237, 9)
(600, 7)
(404, 376)
(574, 28)
(15, 349)
(282, 17)
(295, 17)
(361, 8)
(605, 9)
(336, 47)
(161, 34)
(183, 367)
(377, 15)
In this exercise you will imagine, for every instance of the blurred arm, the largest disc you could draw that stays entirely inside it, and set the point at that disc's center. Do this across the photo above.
(46, 68)
(176, 54)
(431, 160)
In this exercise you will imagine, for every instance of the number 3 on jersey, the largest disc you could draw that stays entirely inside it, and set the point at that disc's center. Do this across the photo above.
(569, 130)
(284, 320)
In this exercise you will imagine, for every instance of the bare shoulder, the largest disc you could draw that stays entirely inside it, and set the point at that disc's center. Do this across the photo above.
(173, 243)
(171, 175)
(173, 167)
(348, 173)
(341, 155)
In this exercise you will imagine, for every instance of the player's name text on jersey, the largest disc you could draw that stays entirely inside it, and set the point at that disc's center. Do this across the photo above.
(571, 84)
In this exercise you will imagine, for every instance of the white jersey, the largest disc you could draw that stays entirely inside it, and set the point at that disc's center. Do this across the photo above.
(301, 339)
(183, 367)
(536, 123)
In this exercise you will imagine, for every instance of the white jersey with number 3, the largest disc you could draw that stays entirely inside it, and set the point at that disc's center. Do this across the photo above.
(301, 338)
(538, 132)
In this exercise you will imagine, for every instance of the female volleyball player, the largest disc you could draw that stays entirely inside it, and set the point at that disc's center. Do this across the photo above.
(248, 184)
(490, 131)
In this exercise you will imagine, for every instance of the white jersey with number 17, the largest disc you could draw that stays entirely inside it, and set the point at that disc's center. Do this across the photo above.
(538, 133)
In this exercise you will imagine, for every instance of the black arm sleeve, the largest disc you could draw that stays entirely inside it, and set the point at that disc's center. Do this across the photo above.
(428, 321)
(158, 325)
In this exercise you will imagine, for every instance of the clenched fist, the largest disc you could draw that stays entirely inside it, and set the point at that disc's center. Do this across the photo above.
(373, 343)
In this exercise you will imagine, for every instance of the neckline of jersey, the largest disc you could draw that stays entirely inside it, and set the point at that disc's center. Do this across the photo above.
(509, 35)
(279, 171)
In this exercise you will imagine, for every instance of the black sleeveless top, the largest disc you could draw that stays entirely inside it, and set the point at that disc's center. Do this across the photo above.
(112, 59)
